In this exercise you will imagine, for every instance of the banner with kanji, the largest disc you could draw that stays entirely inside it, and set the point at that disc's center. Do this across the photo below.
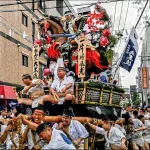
(130, 52)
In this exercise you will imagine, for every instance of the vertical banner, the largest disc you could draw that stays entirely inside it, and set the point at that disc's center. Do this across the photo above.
(35, 57)
(145, 78)
(82, 42)
(130, 52)
(139, 79)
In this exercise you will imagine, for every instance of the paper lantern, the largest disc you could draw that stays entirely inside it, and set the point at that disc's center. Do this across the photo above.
(47, 72)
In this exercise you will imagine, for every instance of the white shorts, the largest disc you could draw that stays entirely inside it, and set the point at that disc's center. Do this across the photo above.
(35, 102)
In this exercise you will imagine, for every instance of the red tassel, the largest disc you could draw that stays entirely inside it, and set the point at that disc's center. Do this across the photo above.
(52, 52)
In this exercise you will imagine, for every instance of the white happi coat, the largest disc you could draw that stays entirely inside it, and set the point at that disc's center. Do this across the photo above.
(147, 116)
(59, 141)
(76, 130)
(120, 128)
(70, 29)
(136, 137)
(146, 132)
(115, 136)
(8, 141)
(57, 86)
(33, 89)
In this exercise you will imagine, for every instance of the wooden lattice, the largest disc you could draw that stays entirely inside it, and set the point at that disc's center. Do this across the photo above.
(91, 95)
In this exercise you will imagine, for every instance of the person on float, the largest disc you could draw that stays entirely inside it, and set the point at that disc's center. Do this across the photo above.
(134, 133)
(75, 131)
(55, 139)
(34, 89)
(30, 136)
(146, 132)
(63, 87)
(115, 139)
(68, 23)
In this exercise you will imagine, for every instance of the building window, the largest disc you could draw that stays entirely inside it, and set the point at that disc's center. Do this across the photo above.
(33, 31)
(25, 60)
(41, 5)
(24, 20)
(41, 69)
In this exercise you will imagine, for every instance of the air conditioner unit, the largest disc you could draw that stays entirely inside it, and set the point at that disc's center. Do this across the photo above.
(84, 11)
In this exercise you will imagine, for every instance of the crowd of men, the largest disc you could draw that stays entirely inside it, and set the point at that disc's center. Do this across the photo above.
(132, 131)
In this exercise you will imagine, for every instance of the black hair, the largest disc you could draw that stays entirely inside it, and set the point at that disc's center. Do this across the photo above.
(39, 107)
(41, 127)
(147, 107)
(127, 117)
(135, 112)
(66, 12)
(106, 119)
(68, 112)
(26, 76)
(140, 117)
(142, 109)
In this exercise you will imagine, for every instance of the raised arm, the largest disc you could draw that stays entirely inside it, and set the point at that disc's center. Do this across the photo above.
(27, 88)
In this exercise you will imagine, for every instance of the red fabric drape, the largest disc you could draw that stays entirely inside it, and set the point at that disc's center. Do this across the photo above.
(52, 52)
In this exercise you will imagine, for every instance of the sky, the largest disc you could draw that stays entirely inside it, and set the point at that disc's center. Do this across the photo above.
(131, 14)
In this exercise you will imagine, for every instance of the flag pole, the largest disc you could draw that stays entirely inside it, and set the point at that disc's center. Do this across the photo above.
(122, 55)
(129, 36)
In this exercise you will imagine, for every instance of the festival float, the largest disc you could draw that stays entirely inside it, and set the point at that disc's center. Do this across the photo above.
(86, 51)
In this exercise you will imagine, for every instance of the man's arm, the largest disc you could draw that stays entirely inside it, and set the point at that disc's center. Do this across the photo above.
(31, 125)
(25, 134)
(52, 91)
(123, 146)
(24, 91)
(91, 125)
(140, 129)
(76, 142)
(4, 135)
(66, 87)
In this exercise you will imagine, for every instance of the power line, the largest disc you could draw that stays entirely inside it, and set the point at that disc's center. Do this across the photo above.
(120, 15)
(28, 2)
(50, 7)
(141, 13)
(135, 27)
(124, 23)
(115, 14)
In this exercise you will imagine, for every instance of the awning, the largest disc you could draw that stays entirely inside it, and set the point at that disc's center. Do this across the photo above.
(7, 92)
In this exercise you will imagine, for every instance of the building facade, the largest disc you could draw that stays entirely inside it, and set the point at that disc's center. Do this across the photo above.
(145, 62)
(18, 30)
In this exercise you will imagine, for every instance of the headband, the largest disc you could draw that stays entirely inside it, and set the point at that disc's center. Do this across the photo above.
(39, 111)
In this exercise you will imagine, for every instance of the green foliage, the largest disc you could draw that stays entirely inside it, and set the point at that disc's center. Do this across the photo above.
(19, 88)
(112, 40)
(99, 85)
(136, 99)
(105, 17)
(109, 55)
(120, 90)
